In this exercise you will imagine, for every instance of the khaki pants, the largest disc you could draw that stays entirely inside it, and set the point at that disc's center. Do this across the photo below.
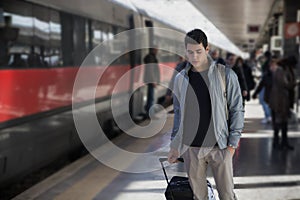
(220, 160)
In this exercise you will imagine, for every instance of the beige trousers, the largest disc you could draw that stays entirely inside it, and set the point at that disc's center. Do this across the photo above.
(220, 160)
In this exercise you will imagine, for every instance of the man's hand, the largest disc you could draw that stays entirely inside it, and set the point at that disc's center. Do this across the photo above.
(173, 155)
(168, 99)
(231, 150)
(245, 93)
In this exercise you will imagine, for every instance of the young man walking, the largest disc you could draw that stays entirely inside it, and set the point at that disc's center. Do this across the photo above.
(151, 76)
(209, 118)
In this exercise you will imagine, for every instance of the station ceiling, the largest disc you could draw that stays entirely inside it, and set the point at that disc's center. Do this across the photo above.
(244, 22)
(236, 25)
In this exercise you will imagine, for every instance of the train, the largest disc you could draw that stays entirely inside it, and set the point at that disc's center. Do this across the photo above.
(43, 45)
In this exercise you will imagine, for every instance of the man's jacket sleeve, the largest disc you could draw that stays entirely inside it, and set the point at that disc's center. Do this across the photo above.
(235, 107)
(175, 137)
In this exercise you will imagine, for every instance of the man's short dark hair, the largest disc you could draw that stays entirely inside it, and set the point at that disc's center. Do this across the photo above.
(196, 36)
(152, 50)
(228, 55)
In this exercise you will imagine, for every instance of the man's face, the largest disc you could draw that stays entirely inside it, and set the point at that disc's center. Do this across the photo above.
(215, 54)
(273, 66)
(231, 60)
(196, 54)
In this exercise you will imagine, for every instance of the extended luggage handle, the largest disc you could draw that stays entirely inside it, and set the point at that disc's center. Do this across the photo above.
(166, 159)
(162, 160)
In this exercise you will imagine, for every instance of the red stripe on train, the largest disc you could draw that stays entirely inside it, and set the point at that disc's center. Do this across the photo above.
(30, 91)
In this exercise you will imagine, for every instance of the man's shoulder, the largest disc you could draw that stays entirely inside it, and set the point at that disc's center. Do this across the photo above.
(180, 75)
(229, 73)
(180, 66)
(223, 69)
(149, 58)
(220, 66)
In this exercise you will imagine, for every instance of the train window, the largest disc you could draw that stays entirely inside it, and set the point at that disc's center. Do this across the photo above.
(29, 35)
(54, 56)
(40, 37)
(170, 46)
(34, 36)
(103, 32)
(98, 32)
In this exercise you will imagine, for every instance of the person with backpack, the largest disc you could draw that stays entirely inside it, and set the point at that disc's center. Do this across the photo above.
(151, 77)
(279, 102)
(208, 118)
(237, 67)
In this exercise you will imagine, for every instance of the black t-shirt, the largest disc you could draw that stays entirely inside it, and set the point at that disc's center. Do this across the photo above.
(198, 126)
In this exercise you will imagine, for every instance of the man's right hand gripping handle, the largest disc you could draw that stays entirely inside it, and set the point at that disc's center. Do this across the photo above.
(173, 155)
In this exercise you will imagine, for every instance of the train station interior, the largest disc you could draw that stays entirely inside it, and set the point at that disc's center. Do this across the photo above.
(93, 96)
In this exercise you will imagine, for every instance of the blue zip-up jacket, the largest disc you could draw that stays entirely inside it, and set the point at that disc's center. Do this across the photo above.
(226, 136)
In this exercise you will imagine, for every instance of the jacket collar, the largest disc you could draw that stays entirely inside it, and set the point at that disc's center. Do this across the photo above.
(210, 63)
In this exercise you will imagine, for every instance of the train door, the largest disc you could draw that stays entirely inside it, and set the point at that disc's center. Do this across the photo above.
(153, 40)
(136, 106)
(145, 39)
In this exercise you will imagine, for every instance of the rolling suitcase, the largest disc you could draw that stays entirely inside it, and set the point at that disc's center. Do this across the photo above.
(179, 187)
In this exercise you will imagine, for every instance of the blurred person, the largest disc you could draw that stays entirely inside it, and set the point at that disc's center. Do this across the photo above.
(215, 55)
(263, 90)
(8, 35)
(169, 94)
(267, 59)
(44, 63)
(230, 60)
(151, 76)
(249, 79)
(280, 105)
(264, 87)
(221, 61)
(237, 67)
(209, 141)
(289, 64)
(34, 59)
(18, 61)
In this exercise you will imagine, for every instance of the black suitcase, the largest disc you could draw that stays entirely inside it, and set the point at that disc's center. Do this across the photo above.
(179, 187)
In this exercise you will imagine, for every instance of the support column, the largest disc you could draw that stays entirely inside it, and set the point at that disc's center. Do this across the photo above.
(290, 15)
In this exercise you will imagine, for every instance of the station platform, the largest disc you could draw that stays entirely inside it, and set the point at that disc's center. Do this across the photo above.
(260, 172)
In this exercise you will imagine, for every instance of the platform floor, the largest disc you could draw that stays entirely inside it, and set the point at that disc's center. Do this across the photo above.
(260, 172)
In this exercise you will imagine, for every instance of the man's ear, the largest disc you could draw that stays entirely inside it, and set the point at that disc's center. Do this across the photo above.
(207, 48)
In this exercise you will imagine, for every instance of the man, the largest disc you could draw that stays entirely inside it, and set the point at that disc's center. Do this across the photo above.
(264, 87)
(209, 141)
(279, 102)
(236, 64)
(215, 55)
(151, 76)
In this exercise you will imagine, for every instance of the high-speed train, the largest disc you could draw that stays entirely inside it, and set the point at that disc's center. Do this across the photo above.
(42, 46)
